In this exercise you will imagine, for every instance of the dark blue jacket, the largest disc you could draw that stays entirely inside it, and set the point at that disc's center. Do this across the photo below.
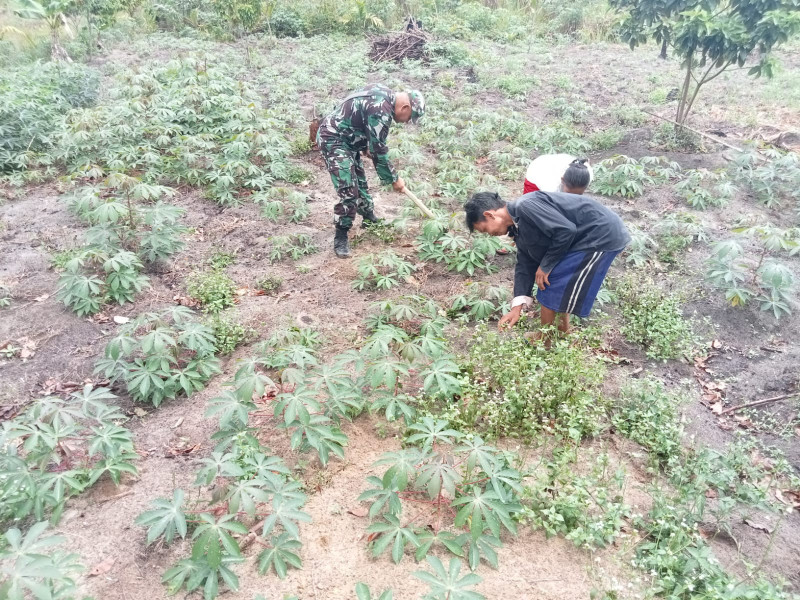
(550, 224)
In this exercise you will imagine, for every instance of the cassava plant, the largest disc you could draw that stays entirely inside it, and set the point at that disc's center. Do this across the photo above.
(468, 488)
(159, 356)
(759, 277)
(382, 271)
(57, 448)
(130, 226)
(458, 253)
(628, 177)
(481, 301)
(30, 568)
(186, 122)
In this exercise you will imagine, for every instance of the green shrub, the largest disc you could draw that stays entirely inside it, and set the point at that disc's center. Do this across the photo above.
(649, 416)
(450, 53)
(161, 355)
(286, 22)
(629, 116)
(654, 319)
(214, 290)
(228, 334)
(221, 259)
(606, 139)
(587, 509)
(515, 388)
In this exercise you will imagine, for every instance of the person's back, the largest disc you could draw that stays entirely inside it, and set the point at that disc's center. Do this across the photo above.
(558, 173)
(372, 106)
(545, 216)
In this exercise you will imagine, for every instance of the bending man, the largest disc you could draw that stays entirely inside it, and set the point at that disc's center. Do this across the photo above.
(565, 244)
(362, 122)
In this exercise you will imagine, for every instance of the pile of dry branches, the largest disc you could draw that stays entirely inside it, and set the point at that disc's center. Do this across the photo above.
(399, 45)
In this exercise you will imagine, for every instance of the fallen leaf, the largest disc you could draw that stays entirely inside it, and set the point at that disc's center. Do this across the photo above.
(102, 567)
(121, 320)
(711, 493)
(717, 408)
(41, 298)
(358, 511)
(716, 344)
(140, 412)
(759, 526)
(242, 292)
(178, 423)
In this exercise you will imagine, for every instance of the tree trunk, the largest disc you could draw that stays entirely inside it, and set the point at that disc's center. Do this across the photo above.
(664, 42)
(680, 115)
(57, 52)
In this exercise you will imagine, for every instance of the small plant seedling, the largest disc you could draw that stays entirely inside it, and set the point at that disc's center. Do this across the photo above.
(270, 284)
(214, 290)
(382, 271)
(294, 246)
(221, 259)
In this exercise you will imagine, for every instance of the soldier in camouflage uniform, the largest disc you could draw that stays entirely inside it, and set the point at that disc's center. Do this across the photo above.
(361, 122)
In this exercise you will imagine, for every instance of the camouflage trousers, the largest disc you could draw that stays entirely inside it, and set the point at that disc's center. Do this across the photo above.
(348, 177)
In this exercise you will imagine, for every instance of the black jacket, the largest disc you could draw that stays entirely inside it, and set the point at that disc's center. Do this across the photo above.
(548, 225)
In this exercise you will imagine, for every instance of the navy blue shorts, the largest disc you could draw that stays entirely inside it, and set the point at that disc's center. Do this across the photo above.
(575, 281)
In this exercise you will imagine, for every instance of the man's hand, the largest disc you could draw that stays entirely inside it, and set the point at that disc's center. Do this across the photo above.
(510, 319)
(399, 185)
(542, 279)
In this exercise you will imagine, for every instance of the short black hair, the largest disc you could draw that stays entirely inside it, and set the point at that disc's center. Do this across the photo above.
(479, 204)
(577, 173)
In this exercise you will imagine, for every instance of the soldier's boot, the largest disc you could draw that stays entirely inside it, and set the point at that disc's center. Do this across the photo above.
(370, 218)
(340, 244)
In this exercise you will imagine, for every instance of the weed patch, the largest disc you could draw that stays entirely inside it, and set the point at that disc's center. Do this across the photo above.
(654, 319)
(514, 388)
(213, 289)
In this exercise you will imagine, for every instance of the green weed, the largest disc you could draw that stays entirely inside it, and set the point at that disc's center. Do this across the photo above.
(228, 334)
(514, 388)
(654, 319)
(214, 290)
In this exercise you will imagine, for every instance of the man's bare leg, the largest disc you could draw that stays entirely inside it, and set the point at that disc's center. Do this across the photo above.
(548, 317)
(563, 323)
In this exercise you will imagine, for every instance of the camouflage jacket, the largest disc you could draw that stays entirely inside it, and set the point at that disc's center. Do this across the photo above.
(362, 122)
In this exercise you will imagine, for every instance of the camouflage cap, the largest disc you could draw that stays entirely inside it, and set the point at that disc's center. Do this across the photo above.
(417, 105)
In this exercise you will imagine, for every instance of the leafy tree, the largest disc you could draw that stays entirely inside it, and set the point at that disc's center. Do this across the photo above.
(710, 36)
(54, 13)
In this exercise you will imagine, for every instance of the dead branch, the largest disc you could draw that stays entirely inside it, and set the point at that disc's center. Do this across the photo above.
(399, 46)
(705, 135)
(758, 403)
